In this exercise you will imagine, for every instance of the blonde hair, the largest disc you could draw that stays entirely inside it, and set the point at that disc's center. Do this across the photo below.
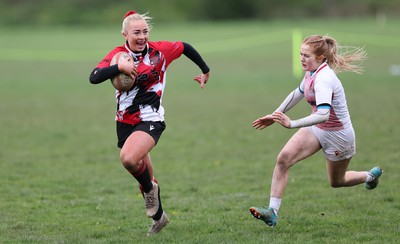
(135, 17)
(329, 48)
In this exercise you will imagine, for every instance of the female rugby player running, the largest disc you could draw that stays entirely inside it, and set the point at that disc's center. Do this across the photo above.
(140, 114)
(328, 127)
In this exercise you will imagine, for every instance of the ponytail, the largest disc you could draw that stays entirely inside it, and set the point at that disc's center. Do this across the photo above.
(349, 58)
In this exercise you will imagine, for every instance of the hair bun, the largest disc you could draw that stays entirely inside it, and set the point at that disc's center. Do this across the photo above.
(130, 12)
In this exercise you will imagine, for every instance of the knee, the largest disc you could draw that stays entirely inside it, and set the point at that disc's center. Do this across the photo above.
(283, 161)
(336, 183)
(129, 161)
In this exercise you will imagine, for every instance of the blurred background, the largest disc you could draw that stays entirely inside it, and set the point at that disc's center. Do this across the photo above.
(100, 12)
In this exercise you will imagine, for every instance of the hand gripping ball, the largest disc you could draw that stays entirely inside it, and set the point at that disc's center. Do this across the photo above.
(122, 82)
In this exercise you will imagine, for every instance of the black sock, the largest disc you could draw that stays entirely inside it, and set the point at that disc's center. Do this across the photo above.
(142, 175)
(160, 211)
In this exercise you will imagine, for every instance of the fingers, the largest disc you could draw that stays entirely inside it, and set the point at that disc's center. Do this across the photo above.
(202, 79)
(134, 71)
(259, 127)
(133, 76)
(281, 118)
(263, 122)
(277, 116)
(128, 67)
(259, 124)
(199, 80)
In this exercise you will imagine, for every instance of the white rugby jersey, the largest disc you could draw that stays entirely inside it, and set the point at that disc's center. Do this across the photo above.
(324, 87)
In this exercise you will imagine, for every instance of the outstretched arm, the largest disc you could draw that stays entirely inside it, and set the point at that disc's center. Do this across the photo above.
(319, 116)
(263, 122)
(292, 99)
(193, 55)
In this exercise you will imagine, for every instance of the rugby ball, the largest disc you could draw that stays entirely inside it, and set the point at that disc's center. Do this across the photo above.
(122, 82)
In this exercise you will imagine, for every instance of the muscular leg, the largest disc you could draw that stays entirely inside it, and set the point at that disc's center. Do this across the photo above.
(302, 145)
(340, 177)
(134, 157)
(136, 148)
(146, 159)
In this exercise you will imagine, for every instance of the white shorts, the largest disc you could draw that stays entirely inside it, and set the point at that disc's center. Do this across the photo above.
(337, 145)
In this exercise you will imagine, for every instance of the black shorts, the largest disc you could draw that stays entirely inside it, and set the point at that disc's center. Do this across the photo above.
(153, 128)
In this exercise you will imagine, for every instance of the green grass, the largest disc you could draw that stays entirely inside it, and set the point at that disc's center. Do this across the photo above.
(60, 176)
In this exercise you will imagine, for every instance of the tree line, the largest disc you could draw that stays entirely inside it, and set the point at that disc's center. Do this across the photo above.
(100, 12)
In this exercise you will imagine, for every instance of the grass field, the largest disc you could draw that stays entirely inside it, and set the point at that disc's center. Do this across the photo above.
(60, 175)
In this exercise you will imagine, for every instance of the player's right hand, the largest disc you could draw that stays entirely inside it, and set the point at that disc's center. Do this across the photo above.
(128, 67)
(263, 122)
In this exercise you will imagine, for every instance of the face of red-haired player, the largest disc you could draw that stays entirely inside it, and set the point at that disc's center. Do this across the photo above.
(137, 35)
(309, 61)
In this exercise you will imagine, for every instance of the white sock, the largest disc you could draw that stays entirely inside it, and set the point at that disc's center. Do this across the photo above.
(275, 203)
(370, 177)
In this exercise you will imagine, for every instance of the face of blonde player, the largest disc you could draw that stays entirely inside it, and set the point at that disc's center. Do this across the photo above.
(309, 61)
(137, 34)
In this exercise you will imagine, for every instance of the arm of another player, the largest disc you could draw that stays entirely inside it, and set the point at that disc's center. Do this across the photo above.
(193, 55)
(202, 79)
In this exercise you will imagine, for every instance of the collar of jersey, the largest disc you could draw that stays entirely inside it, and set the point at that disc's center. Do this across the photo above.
(136, 55)
(323, 65)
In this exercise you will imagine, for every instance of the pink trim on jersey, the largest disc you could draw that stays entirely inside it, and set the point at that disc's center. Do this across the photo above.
(333, 123)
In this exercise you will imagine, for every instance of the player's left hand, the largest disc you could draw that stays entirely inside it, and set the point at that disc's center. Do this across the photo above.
(202, 79)
(282, 119)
